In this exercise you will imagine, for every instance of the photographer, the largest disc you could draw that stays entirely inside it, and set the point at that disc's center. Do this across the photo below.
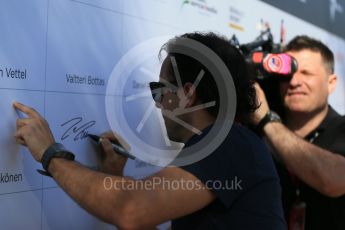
(310, 143)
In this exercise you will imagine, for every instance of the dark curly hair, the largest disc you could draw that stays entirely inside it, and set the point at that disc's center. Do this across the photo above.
(207, 89)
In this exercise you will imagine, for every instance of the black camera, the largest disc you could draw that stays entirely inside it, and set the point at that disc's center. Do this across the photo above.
(268, 65)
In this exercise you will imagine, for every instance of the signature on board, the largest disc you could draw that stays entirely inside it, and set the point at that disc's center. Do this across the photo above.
(76, 128)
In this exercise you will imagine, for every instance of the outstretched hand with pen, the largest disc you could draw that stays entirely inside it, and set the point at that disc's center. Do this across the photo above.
(33, 131)
(111, 162)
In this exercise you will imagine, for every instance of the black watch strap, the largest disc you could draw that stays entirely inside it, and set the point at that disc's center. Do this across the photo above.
(270, 116)
(55, 150)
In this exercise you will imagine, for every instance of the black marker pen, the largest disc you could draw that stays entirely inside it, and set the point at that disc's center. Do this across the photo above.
(117, 148)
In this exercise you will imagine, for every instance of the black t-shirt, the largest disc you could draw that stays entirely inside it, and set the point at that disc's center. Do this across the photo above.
(322, 212)
(251, 198)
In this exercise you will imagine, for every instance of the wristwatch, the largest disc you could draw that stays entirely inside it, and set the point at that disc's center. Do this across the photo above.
(56, 150)
(270, 116)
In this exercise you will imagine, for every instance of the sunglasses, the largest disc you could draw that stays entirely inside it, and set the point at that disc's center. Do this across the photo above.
(157, 89)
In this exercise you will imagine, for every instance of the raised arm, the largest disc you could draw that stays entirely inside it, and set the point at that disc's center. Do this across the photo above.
(317, 167)
(124, 202)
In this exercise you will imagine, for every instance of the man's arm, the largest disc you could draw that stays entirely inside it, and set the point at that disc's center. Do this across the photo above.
(126, 203)
(317, 167)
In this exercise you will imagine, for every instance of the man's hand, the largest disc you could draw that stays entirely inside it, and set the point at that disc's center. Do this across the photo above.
(263, 108)
(33, 131)
(111, 162)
